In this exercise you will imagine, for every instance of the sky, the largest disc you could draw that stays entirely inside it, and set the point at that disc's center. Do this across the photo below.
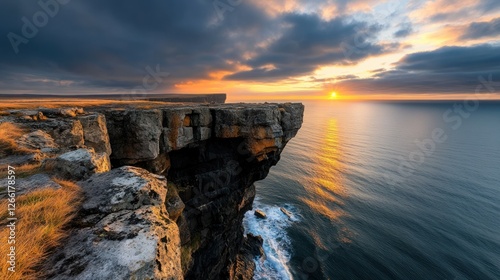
(253, 49)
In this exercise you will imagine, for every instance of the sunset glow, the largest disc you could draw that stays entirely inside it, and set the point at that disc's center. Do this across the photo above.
(291, 50)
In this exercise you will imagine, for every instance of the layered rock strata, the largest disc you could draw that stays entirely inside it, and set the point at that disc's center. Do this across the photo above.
(190, 227)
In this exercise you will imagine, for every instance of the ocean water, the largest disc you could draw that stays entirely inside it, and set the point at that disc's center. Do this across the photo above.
(385, 190)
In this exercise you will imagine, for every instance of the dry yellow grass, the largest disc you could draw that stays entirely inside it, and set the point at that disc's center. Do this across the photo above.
(58, 103)
(23, 170)
(42, 216)
(9, 132)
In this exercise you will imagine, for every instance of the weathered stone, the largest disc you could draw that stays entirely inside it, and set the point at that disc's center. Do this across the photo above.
(81, 164)
(65, 132)
(260, 214)
(68, 112)
(29, 115)
(133, 239)
(124, 188)
(134, 134)
(36, 140)
(95, 133)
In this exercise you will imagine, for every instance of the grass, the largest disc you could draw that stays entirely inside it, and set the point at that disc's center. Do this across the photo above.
(9, 133)
(12, 104)
(42, 216)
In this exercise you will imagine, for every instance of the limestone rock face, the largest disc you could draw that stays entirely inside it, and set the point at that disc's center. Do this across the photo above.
(266, 128)
(125, 231)
(81, 164)
(135, 134)
(140, 137)
(95, 133)
(183, 126)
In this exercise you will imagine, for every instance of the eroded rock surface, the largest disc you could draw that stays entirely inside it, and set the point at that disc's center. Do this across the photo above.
(80, 164)
(95, 133)
(125, 231)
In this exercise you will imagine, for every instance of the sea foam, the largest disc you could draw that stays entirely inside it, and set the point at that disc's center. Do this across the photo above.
(277, 244)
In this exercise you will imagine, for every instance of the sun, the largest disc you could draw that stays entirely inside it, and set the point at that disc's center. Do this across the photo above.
(333, 95)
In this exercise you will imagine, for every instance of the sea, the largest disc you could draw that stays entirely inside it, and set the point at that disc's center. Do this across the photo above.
(385, 190)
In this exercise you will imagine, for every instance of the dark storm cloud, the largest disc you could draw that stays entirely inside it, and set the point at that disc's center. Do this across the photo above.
(110, 43)
(445, 70)
(308, 42)
(478, 30)
(107, 45)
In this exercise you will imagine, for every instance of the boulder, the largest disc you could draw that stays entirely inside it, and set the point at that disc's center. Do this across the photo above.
(286, 212)
(260, 214)
(80, 164)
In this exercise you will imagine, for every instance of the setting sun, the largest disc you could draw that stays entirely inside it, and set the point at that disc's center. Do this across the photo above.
(333, 95)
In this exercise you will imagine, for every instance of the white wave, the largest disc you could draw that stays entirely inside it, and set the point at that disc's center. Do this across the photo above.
(277, 245)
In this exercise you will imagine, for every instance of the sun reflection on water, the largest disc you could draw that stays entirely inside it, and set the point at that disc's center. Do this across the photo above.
(325, 187)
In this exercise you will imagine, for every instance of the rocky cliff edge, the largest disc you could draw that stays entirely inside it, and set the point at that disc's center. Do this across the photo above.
(165, 188)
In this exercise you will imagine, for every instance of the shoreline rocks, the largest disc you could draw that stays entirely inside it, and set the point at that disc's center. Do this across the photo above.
(260, 214)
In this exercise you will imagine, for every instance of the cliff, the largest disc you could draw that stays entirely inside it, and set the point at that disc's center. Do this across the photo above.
(165, 188)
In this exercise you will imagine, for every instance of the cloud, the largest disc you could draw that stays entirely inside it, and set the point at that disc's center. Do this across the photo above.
(308, 42)
(405, 30)
(478, 30)
(445, 70)
(447, 11)
(109, 44)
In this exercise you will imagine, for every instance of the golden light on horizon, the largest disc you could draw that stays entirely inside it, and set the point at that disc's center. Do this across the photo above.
(333, 95)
